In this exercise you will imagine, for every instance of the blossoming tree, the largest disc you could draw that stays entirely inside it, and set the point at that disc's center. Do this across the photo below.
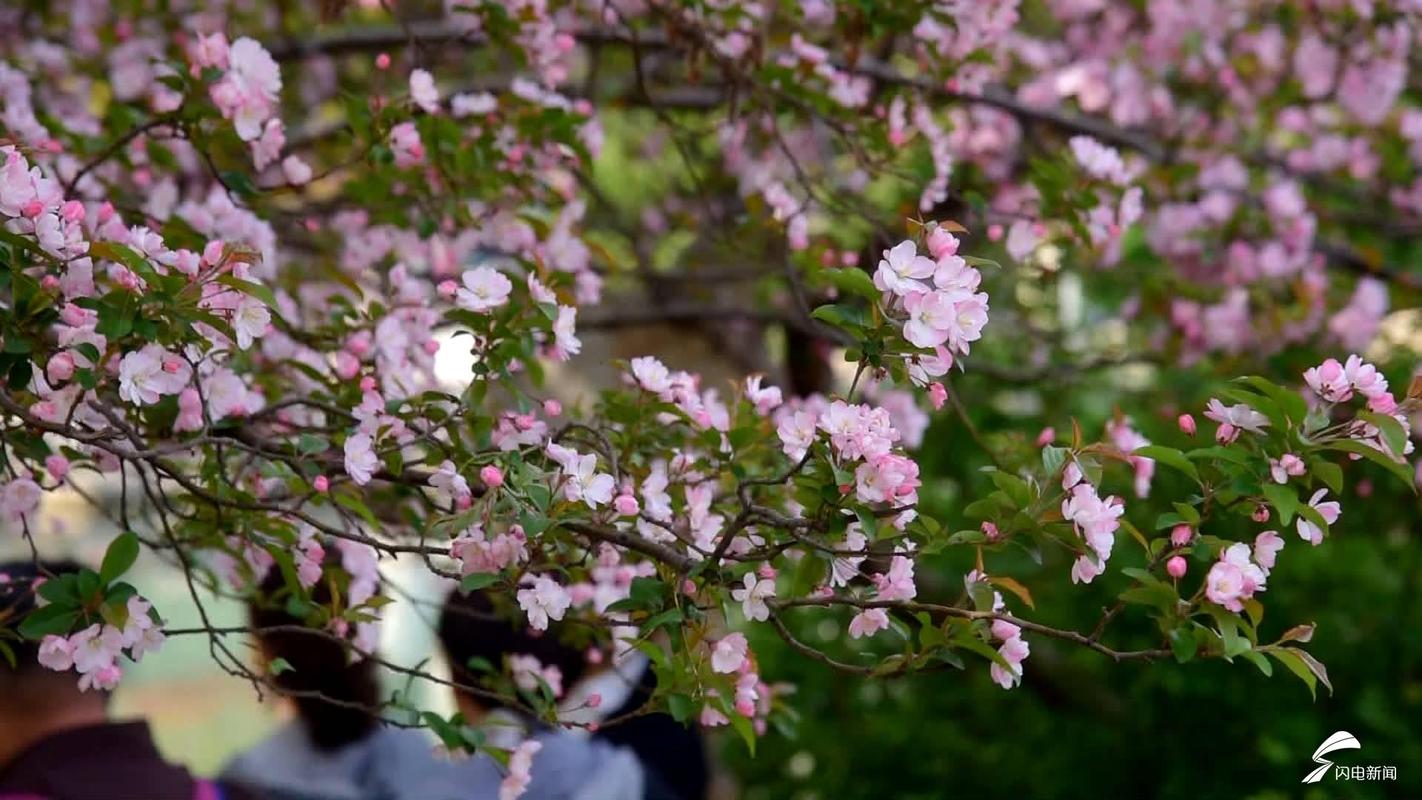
(235, 240)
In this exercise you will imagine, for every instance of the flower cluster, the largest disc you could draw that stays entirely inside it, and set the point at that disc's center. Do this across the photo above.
(1095, 520)
(936, 298)
(94, 651)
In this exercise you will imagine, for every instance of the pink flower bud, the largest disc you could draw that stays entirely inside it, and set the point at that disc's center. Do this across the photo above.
(49, 282)
(57, 466)
(766, 571)
(60, 368)
(990, 531)
(593, 727)
(1176, 566)
(1261, 513)
(32, 209)
(448, 288)
(594, 700)
(994, 233)
(938, 395)
(431, 346)
(491, 475)
(688, 587)
(552, 408)
(212, 252)
(322, 483)
(626, 505)
(1181, 535)
(745, 708)
(941, 243)
(367, 384)
(1047, 436)
(382, 61)
(463, 502)
(1187, 424)
(72, 211)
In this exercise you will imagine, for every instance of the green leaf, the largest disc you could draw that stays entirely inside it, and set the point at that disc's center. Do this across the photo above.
(1258, 659)
(122, 552)
(1377, 457)
(853, 281)
(1284, 499)
(475, 581)
(279, 665)
(48, 620)
(1329, 473)
(1183, 644)
(1170, 457)
(681, 707)
(1390, 430)
(1289, 657)
(256, 290)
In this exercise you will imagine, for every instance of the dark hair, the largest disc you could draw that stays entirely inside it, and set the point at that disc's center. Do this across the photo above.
(471, 626)
(336, 698)
(17, 599)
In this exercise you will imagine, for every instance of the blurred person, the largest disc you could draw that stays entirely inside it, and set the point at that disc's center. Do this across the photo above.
(337, 747)
(672, 754)
(57, 742)
(564, 765)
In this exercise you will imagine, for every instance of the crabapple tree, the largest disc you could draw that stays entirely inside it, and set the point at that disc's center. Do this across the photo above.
(236, 237)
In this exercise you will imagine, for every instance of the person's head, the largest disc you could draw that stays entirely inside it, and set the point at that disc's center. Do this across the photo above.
(336, 696)
(34, 700)
(471, 627)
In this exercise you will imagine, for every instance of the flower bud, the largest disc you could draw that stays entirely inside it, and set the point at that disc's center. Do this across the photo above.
(1176, 566)
(321, 483)
(626, 505)
(594, 700)
(491, 475)
(60, 368)
(1181, 535)
(1187, 424)
(1047, 436)
(552, 408)
(57, 466)
(382, 61)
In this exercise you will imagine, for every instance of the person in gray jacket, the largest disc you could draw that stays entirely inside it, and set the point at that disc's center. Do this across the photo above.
(337, 747)
(564, 765)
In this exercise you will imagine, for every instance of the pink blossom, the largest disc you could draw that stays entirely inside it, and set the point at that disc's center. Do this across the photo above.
(712, 717)
(56, 653)
(1329, 510)
(19, 499)
(898, 582)
(868, 622)
(423, 91)
(1266, 549)
(938, 395)
(902, 268)
(147, 374)
(485, 289)
(1285, 466)
(360, 459)
(57, 466)
(296, 171)
(405, 143)
(752, 598)
(543, 599)
(248, 93)
(1328, 381)
(520, 767)
(729, 653)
